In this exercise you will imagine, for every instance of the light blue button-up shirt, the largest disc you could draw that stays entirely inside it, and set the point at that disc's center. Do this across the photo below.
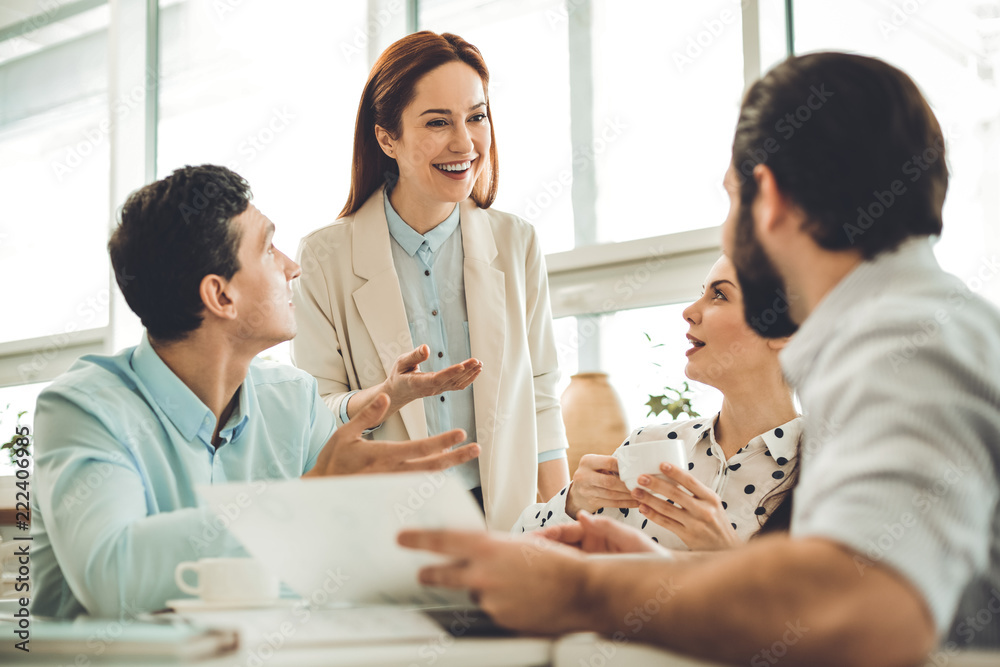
(121, 443)
(431, 272)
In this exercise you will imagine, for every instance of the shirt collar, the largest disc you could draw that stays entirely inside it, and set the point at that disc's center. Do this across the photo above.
(409, 239)
(182, 407)
(865, 282)
(783, 446)
(783, 441)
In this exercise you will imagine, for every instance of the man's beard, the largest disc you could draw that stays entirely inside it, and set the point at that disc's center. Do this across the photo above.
(765, 299)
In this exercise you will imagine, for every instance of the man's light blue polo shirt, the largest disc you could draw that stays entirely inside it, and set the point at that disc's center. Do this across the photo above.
(121, 443)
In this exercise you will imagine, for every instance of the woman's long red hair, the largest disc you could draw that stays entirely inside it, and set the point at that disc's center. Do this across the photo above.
(389, 89)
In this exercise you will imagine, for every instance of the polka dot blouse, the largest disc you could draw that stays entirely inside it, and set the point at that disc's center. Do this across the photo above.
(741, 482)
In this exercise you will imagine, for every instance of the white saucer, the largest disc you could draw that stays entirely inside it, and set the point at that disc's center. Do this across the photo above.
(197, 604)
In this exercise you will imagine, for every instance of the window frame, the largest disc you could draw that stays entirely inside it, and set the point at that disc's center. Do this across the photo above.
(133, 51)
(591, 279)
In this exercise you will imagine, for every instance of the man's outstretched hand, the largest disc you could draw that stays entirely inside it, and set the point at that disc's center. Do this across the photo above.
(346, 453)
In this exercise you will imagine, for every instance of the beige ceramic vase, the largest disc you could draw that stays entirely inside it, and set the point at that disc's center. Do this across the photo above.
(594, 417)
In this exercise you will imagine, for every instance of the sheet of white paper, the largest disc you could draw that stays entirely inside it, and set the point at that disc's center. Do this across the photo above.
(304, 626)
(333, 540)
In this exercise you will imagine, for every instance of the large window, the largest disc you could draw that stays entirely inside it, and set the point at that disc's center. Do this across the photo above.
(613, 123)
(525, 44)
(666, 106)
(53, 139)
(54, 166)
(270, 94)
(952, 51)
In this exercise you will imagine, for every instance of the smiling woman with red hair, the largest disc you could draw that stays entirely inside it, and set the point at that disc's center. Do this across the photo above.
(420, 288)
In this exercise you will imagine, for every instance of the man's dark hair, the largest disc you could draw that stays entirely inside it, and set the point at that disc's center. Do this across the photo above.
(173, 233)
(853, 143)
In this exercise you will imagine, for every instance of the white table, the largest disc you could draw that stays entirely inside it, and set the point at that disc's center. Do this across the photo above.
(573, 650)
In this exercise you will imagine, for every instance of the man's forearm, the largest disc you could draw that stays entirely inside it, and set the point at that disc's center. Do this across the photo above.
(803, 598)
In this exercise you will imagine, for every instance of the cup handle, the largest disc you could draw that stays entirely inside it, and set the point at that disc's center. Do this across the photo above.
(179, 578)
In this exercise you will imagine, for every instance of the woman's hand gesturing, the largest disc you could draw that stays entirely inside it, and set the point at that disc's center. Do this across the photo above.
(406, 382)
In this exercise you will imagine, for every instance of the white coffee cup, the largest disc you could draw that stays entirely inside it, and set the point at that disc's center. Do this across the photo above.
(228, 580)
(644, 458)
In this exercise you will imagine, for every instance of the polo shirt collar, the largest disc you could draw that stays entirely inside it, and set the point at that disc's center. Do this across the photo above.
(409, 239)
(181, 406)
(867, 281)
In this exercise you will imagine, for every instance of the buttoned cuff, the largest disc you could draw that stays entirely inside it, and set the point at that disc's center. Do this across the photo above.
(551, 455)
(343, 407)
(344, 418)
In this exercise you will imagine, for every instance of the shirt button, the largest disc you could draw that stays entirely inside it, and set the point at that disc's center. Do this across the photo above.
(434, 312)
(440, 354)
(442, 399)
(427, 273)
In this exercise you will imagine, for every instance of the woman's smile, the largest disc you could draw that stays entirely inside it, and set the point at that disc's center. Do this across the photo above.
(456, 170)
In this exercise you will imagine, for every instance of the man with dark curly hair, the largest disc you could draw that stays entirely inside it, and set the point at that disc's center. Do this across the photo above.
(122, 441)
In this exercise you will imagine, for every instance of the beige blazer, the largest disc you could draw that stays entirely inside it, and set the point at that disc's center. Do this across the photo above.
(352, 327)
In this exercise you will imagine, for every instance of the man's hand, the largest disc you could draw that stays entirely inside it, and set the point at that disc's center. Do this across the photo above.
(346, 453)
(524, 582)
(595, 485)
(697, 518)
(406, 382)
(600, 535)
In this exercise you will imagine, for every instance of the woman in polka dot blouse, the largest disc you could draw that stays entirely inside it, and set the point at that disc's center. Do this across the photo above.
(740, 462)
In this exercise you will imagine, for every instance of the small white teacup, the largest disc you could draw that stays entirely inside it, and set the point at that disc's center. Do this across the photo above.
(644, 458)
(229, 580)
